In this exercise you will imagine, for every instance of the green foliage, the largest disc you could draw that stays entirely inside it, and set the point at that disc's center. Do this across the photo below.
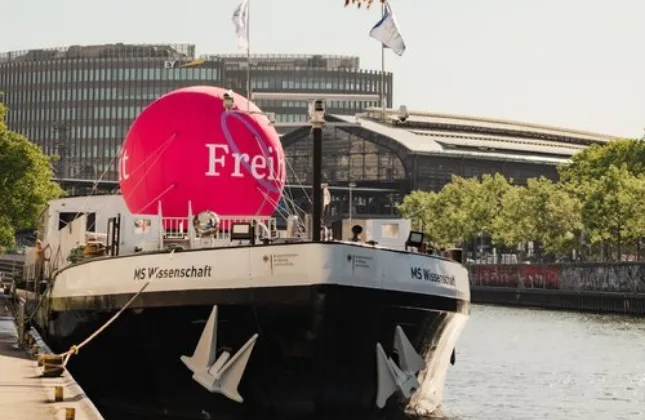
(596, 208)
(416, 207)
(614, 210)
(595, 161)
(25, 182)
(543, 212)
(464, 209)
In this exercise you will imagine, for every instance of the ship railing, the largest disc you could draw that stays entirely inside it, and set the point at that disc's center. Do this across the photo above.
(175, 227)
(182, 232)
(179, 230)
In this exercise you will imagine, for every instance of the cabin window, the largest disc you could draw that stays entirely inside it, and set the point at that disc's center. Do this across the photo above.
(64, 218)
(390, 230)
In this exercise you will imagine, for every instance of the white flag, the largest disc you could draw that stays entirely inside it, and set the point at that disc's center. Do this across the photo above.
(387, 31)
(326, 196)
(241, 24)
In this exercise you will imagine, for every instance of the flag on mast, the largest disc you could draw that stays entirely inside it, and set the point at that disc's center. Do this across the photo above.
(387, 31)
(326, 195)
(241, 24)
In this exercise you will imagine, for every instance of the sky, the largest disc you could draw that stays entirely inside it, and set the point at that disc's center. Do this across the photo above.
(572, 63)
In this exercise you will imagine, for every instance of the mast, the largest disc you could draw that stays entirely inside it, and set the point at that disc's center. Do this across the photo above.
(317, 114)
(383, 97)
(316, 187)
(248, 56)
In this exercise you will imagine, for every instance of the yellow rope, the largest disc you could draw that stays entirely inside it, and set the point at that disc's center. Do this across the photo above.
(75, 348)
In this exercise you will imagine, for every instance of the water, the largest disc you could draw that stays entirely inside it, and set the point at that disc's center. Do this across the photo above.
(531, 364)
(525, 364)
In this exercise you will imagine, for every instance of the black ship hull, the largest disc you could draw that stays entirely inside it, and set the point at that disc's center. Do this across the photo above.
(315, 353)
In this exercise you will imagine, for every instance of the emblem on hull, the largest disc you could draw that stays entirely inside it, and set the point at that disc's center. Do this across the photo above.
(218, 375)
(392, 378)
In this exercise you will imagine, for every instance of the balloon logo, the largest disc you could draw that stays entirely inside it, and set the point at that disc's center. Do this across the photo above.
(186, 146)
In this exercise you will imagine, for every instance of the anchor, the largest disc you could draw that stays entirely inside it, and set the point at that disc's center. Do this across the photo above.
(221, 375)
(392, 378)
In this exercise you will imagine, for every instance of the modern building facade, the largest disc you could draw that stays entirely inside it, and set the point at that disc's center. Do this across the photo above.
(79, 102)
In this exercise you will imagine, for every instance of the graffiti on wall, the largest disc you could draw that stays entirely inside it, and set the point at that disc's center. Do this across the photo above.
(494, 275)
(622, 277)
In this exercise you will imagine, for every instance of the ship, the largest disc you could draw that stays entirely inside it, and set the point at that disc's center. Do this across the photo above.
(205, 313)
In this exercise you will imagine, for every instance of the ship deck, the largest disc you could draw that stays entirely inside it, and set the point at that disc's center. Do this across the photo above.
(24, 393)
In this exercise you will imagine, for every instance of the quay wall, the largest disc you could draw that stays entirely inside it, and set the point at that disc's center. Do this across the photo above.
(589, 287)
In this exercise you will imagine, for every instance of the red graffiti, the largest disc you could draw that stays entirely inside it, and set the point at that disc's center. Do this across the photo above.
(511, 275)
(540, 276)
(494, 275)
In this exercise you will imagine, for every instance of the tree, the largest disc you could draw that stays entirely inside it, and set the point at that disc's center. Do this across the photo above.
(513, 224)
(486, 203)
(429, 211)
(598, 201)
(416, 206)
(542, 212)
(25, 182)
(461, 215)
(614, 211)
(594, 162)
(464, 209)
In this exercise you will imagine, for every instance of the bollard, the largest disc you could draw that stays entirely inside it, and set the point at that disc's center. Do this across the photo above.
(52, 366)
(58, 393)
(21, 323)
(70, 413)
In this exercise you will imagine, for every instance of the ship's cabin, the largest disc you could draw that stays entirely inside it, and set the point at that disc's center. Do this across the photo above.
(77, 228)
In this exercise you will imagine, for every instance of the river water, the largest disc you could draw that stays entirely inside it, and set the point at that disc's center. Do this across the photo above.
(529, 364)
(526, 364)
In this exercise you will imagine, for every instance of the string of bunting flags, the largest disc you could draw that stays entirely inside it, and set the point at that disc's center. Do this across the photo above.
(359, 3)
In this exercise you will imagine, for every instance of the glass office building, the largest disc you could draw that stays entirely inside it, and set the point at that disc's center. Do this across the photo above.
(78, 102)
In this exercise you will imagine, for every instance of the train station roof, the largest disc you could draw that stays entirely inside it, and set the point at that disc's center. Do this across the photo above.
(444, 134)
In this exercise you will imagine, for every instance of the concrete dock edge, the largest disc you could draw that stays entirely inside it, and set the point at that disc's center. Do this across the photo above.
(27, 393)
(85, 408)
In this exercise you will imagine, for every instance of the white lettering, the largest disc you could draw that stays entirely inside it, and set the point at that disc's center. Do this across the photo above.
(169, 64)
(124, 172)
(259, 166)
(213, 159)
(258, 162)
(238, 162)
(272, 169)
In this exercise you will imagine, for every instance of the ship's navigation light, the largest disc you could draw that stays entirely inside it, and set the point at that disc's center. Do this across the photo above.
(229, 101)
(415, 239)
(241, 232)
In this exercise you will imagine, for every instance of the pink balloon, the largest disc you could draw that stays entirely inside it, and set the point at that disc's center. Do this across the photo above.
(186, 147)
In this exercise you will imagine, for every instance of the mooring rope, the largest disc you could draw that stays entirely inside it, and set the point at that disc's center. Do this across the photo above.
(75, 348)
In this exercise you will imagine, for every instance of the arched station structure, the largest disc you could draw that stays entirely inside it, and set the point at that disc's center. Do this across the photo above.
(379, 160)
